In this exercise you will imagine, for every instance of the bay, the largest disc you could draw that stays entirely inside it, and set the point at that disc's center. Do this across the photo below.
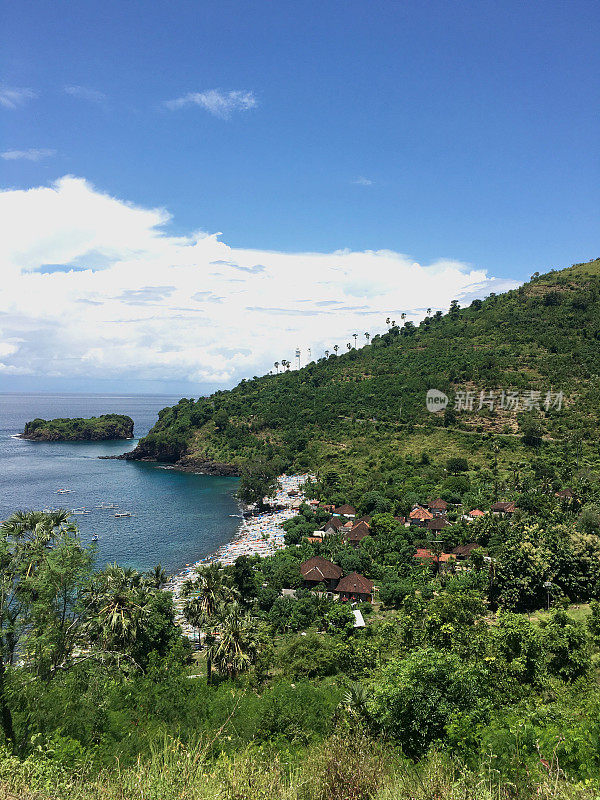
(176, 518)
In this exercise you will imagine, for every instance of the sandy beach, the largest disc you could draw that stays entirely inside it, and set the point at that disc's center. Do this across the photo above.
(258, 535)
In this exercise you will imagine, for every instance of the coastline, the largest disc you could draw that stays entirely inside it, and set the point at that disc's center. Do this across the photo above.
(260, 535)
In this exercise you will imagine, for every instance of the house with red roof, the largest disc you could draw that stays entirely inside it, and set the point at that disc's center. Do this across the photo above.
(444, 561)
(356, 533)
(419, 516)
(333, 525)
(355, 587)
(437, 506)
(504, 507)
(463, 551)
(318, 572)
(438, 523)
(345, 511)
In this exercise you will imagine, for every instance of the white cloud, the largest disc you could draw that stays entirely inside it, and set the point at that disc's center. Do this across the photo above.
(220, 104)
(13, 97)
(363, 182)
(33, 154)
(93, 287)
(85, 93)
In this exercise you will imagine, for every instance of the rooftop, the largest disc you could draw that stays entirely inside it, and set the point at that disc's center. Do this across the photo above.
(355, 583)
(319, 569)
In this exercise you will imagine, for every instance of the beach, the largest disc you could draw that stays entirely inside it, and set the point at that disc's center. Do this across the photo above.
(260, 534)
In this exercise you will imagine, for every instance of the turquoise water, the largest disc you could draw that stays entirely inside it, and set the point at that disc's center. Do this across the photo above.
(176, 519)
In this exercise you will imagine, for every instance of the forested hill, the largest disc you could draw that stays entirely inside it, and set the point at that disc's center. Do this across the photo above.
(359, 411)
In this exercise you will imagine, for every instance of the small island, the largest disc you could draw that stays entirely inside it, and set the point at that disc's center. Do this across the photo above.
(95, 429)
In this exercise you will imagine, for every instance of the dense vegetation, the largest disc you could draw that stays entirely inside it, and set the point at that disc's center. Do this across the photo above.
(449, 692)
(107, 426)
(476, 682)
(361, 413)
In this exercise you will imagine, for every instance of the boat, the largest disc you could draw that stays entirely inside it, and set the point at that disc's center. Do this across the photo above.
(64, 491)
(95, 537)
(123, 514)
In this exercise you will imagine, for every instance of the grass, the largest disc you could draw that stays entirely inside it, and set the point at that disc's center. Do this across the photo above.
(348, 766)
(578, 613)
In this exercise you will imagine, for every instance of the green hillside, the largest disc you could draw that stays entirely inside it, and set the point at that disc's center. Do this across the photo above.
(363, 413)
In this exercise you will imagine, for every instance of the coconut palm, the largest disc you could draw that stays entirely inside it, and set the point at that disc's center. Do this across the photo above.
(235, 649)
(336, 347)
(276, 365)
(156, 577)
(210, 588)
(36, 526)
(367, 336)
(210, 593)
(355, 335)
(388, 321)
(403, 316)
(326, 353)
(428, 311)
(118, 606)
(348, 345)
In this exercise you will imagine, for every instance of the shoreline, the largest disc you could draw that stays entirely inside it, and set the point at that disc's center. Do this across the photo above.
(257, 535)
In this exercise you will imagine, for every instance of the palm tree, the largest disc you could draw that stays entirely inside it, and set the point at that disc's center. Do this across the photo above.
(118, 602)
(354, 702)
(211, 592)
(428, 311)
(348, 345)
(367, 336)
(355, 335)
(276, 365)
(403, 316)
(388, 322)
(209, 588)
(326, 353)
(156, 577)
(38, 526)
(236, 648)
(336, 347)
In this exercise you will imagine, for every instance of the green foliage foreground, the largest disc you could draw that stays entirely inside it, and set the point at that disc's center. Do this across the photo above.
(438, 698)
(348, 766)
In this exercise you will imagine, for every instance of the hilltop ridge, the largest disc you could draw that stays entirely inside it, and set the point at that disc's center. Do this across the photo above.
(355, 411)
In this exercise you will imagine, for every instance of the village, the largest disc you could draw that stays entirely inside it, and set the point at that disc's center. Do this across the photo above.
(263, 533)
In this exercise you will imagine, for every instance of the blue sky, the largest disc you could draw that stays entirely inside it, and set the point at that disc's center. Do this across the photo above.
(460, 131)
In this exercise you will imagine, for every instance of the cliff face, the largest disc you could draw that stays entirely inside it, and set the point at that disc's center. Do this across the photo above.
(169, 455)
(95, 429)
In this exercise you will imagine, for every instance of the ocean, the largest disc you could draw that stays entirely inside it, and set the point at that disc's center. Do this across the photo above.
(176, 518)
